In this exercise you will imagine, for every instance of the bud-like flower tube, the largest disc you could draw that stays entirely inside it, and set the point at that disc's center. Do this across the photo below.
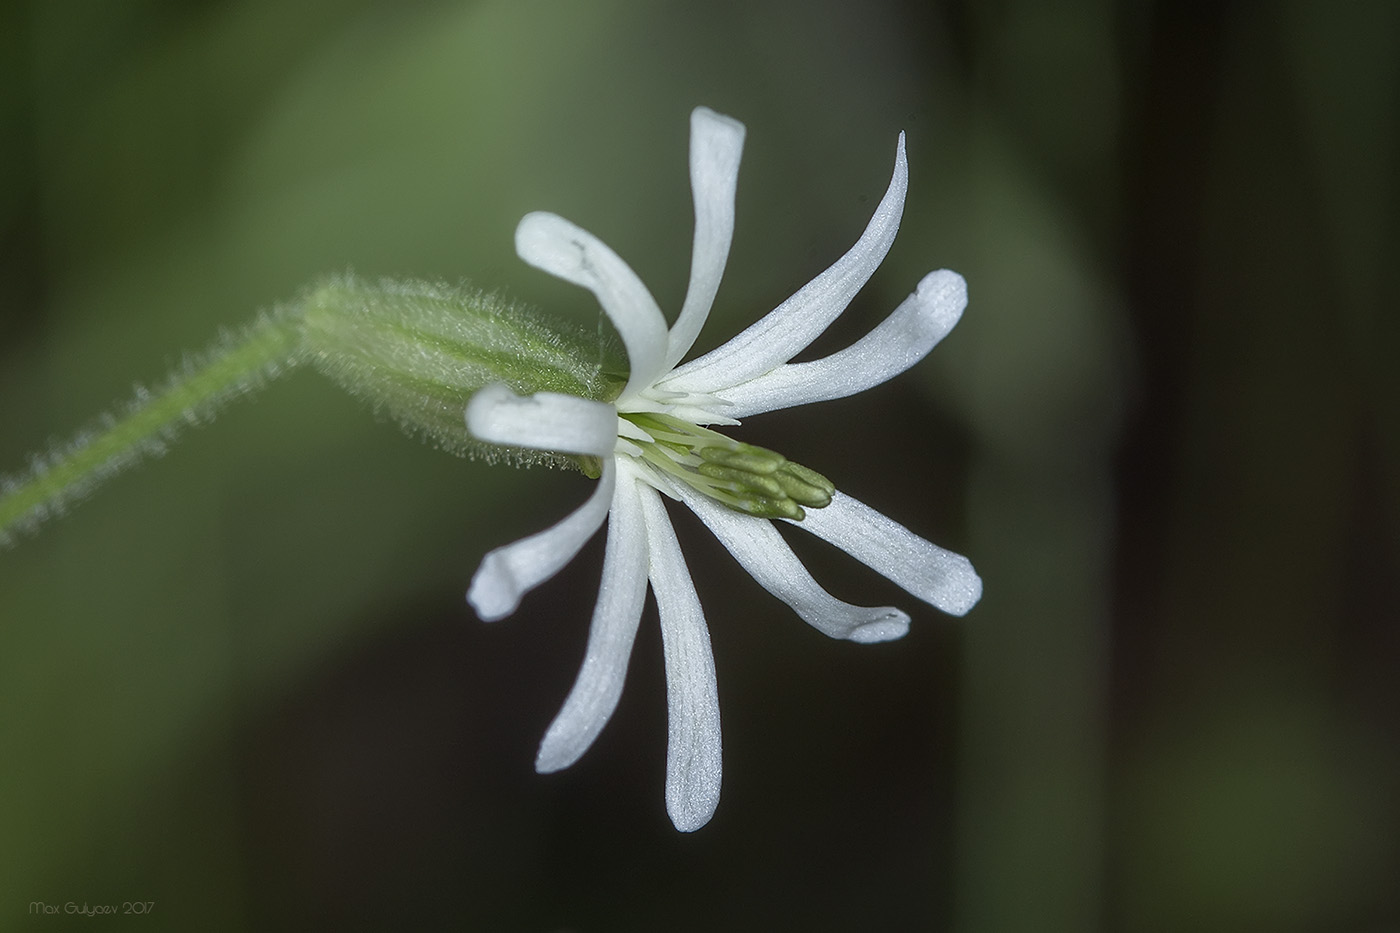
(418, 352)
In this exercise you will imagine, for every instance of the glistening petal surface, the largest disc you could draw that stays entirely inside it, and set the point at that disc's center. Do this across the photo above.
(615, 618)
(693, 763)
(549, 242)
(716, 144)
(508, 573)
(937, 576)
(761, 550)
(788, 329)
(900, 341)
(543, 421)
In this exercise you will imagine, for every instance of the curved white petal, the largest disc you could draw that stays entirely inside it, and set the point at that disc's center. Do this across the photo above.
(900, 341)
(615, 618)
(543, 421)
(788, 329)
(549, 242)
(716, 143)
(508, 573)
(692, 698)
(937, 576)
(761, 550)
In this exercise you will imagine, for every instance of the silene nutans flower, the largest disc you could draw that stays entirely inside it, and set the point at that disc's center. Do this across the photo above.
(537, 391)
(657, 438)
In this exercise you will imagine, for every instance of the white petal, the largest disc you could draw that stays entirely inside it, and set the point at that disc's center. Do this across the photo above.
(543, 421)
(615, 618)
(760, 550)
(901, 340)
(692, 699)
(937, 576)
(509, 572)
(716, 143)
(549, 242)
(788, 329)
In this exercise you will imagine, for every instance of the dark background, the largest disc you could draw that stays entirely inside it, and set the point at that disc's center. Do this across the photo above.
(242, 682)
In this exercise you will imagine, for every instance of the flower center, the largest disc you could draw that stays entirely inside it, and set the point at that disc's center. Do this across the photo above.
(744, 477)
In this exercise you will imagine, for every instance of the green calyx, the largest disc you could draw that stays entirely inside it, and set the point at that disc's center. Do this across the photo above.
(418, 351)
(747, 478)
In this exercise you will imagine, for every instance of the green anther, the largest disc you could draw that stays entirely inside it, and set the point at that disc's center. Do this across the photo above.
(798, 471)
(745, 477)
(804, 492)
(745, 457)
(764, 507)
(753, 482)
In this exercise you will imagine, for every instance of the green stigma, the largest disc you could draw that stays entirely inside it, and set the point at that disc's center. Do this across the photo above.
(749, 479)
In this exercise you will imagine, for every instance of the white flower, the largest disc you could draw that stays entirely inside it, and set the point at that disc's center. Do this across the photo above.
(651, 439)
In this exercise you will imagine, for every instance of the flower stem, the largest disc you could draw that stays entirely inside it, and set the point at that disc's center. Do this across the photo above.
(234, 366)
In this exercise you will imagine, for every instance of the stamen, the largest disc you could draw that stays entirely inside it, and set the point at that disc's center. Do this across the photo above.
(745, 457)
(765, 484)
(811, 477)
(803, 492)
(745, 477)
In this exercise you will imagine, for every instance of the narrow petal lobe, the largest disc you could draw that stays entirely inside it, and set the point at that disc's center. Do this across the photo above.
(716, 143)
(900, 341)
(693, 734)
(508, 573)
(543, 421)
(789, 328)
(549, 242)
(615, 618)
(937, 576)
(761, 551)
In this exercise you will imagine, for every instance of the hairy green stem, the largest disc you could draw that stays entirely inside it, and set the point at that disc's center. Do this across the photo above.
(234, 366)
(415, 351)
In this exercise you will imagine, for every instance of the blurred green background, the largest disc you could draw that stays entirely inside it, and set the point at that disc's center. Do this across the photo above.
(242, 682)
